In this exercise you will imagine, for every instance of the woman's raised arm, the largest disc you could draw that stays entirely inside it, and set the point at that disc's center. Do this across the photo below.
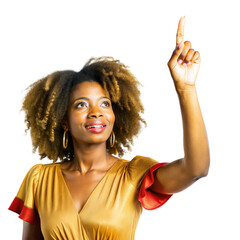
(176, 176)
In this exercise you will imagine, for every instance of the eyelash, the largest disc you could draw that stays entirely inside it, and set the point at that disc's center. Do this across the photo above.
(78, 104)
(105, 102)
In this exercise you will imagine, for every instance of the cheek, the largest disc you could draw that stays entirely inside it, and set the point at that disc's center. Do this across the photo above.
(75, 120)
(111, 117)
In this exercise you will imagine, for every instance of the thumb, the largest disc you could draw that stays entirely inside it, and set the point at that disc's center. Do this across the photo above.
(176, 53)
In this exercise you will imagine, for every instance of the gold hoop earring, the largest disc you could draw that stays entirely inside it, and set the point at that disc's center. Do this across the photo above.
(65, 139)
(112, 139)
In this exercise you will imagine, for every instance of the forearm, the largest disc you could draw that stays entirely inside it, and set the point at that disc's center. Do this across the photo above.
(196, 149)
(184, 66)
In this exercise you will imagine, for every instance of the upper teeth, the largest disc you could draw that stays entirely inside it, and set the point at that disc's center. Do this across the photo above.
(95, 126)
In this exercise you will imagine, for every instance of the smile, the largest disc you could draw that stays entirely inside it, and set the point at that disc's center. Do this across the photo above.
(96, 128)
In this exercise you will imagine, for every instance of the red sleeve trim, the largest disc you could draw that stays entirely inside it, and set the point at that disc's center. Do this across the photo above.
(25, 213)
(151, 200)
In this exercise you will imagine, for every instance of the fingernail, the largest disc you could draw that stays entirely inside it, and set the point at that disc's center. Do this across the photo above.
(180, 61)
(183, 18)
(184, 64)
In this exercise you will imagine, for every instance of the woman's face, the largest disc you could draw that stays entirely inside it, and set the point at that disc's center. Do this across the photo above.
(90, 114)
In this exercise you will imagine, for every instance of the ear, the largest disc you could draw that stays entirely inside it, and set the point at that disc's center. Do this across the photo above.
(64, 124)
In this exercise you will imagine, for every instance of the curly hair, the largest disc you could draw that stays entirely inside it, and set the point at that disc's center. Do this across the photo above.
(46, 104)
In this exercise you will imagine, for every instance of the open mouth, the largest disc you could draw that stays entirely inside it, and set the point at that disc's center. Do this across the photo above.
(95, 126)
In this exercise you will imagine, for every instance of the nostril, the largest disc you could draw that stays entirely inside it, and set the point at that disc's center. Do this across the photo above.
(96, 115)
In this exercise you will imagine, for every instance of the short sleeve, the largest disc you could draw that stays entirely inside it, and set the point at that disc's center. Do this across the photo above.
(24, 202)
(151, 200)
(138, 167)
(141, 170)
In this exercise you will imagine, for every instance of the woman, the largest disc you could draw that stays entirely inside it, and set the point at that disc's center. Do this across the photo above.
(84, 118)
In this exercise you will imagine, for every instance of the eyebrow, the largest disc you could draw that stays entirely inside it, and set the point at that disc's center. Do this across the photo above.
(85, 98)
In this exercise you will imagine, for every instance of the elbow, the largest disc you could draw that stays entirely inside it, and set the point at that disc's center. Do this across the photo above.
(200, 173)
(197, 172)
(198, 168)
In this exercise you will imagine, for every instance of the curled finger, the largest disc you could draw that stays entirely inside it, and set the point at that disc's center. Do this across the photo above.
(187, 46)
(196, 57)
(189, 56)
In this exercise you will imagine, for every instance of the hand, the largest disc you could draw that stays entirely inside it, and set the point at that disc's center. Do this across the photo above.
(184, 63)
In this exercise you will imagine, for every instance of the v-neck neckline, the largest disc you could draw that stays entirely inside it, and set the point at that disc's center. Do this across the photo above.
(93, 191)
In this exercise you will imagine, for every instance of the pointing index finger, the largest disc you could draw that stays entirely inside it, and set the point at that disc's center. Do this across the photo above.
(180, 31)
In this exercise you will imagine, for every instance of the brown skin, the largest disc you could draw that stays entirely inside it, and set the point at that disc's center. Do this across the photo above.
(31, 231)
(92, 161)
(88, 102)
(178, 175)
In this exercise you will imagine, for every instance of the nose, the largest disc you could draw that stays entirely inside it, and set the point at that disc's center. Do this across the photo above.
(95, 112)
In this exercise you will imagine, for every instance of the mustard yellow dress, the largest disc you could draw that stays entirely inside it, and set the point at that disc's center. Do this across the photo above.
(111, 212)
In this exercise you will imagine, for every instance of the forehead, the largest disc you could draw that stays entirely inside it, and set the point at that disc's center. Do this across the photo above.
(88, 90)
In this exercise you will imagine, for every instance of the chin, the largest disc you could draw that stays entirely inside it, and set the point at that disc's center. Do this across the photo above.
(93, 140)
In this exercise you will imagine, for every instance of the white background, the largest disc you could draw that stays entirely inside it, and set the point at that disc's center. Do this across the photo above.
(39, 37)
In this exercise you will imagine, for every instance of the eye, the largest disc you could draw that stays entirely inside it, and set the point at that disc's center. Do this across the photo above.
(106, 104)
(80, 105)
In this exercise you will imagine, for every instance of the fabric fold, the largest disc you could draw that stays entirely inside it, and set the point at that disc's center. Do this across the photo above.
(25, 213)
(151, 200)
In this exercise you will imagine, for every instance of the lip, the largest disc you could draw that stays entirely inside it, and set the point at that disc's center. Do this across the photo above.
(96, 126)
(89, 124)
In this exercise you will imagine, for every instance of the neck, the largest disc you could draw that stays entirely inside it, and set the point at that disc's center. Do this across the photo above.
(89, 157)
